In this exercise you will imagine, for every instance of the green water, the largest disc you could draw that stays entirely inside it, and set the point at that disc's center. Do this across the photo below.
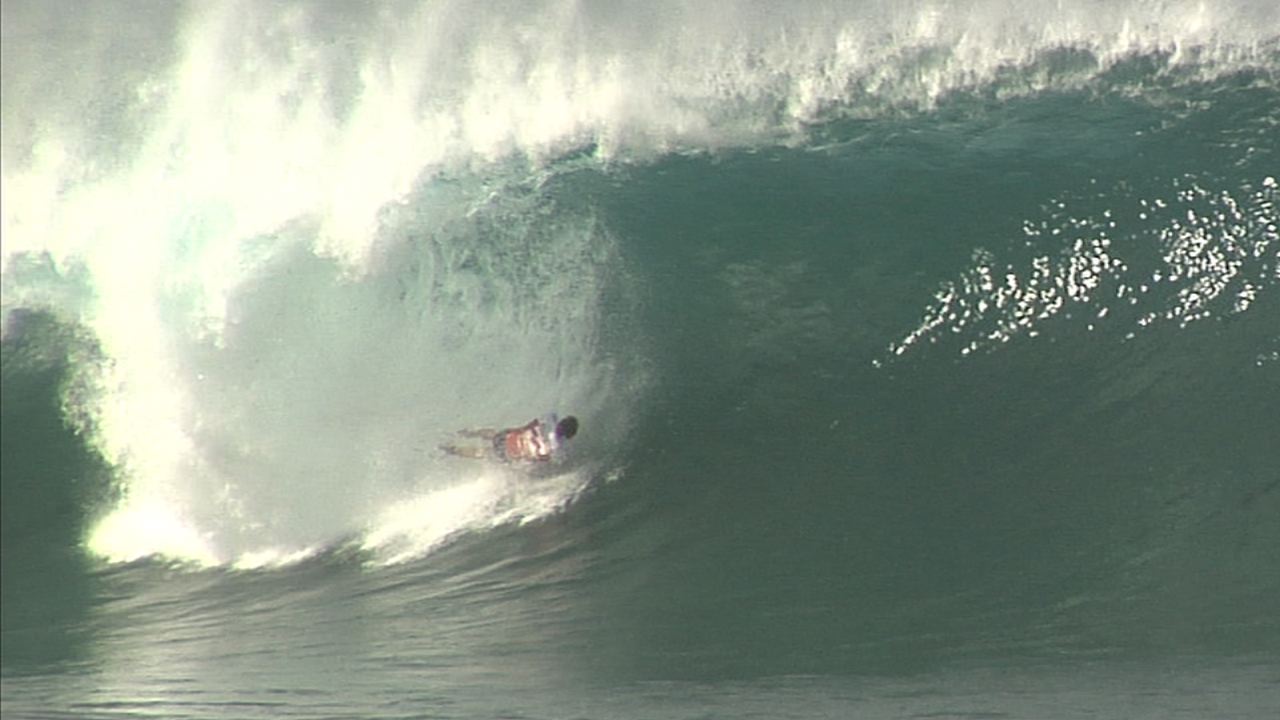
(929, 380)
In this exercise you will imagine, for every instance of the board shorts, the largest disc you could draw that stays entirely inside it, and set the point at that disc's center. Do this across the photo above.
(500, 447)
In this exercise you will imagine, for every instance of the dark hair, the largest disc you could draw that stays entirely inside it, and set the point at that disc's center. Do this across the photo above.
(567, 428)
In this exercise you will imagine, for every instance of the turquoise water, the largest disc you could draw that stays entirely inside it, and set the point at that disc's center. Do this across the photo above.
(926, 354)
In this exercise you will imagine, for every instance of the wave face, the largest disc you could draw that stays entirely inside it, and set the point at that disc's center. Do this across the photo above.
(905, 336)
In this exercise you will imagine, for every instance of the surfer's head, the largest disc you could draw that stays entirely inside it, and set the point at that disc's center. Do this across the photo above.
(567, 428)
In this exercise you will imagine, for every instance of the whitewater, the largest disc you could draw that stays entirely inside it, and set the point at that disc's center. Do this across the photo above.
(926, 355)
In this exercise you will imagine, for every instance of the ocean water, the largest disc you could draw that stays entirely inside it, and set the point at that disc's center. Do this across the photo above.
(927, 356)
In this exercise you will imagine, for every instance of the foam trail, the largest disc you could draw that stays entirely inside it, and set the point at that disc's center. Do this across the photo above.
(416, 525)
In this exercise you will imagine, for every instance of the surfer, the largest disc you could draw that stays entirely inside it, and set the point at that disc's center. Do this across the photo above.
(539, 440)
